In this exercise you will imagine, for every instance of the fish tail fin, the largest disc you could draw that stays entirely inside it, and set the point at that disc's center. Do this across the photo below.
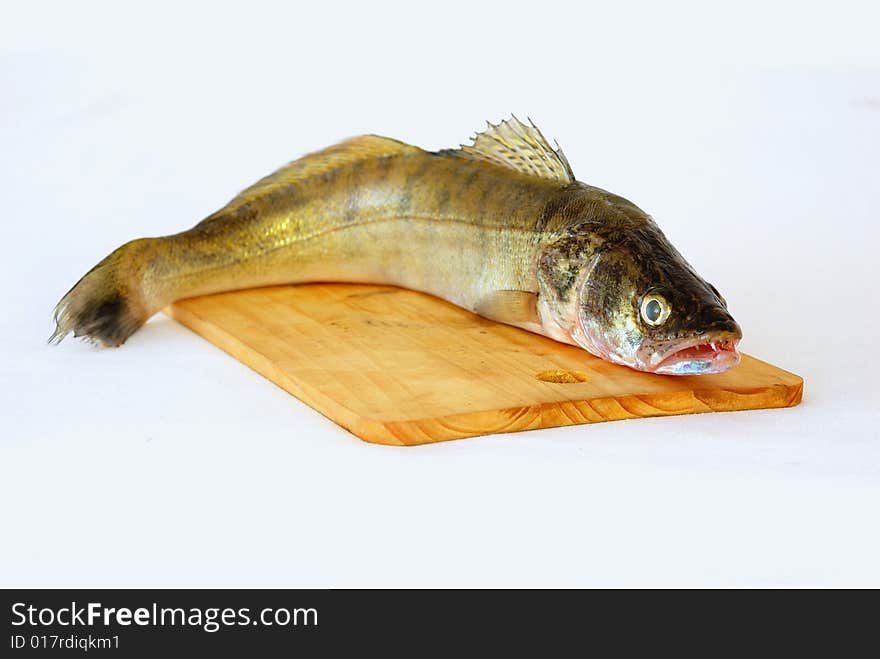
(109, 303)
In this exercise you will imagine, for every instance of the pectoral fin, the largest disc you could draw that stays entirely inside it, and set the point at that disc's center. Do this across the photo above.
(518, 308)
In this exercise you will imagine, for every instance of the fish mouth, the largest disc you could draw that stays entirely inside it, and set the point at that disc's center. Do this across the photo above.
(706, 354)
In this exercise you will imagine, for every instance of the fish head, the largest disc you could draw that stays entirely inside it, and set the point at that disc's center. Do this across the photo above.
(642, 305)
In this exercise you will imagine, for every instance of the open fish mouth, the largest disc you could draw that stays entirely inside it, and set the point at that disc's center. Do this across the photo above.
(701, 355)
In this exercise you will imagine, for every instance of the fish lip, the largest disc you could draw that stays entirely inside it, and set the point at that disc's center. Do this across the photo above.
(722, 353)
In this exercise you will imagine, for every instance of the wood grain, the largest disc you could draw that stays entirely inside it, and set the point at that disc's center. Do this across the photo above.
(396, 366)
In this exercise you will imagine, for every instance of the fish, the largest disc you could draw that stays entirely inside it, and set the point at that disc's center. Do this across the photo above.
(499, 226)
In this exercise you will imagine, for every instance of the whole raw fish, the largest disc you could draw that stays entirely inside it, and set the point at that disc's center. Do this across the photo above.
(500, 227)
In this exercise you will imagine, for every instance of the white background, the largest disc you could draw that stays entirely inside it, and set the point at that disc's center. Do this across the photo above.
(750, 132)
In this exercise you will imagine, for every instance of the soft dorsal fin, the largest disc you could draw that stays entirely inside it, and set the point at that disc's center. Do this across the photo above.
(517, 146)
(320, 162)
(333, 157)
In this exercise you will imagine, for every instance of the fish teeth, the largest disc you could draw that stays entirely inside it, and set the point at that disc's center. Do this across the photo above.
(713, 346)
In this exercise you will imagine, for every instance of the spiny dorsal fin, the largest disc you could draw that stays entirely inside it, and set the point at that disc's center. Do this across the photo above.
(520, 147)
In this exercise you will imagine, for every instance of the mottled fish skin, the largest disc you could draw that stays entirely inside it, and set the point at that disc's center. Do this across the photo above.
(487, 227)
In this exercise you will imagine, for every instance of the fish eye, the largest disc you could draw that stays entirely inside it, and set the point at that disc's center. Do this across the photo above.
(655, 309)
(719, 296)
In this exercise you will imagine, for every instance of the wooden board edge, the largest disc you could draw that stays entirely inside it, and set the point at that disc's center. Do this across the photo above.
(574, 412)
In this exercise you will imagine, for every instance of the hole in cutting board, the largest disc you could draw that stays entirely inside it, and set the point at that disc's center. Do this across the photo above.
(562, 376)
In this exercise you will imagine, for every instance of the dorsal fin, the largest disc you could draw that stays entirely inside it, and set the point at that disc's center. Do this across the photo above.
(517, 146)
(333, 157)
(344, 153)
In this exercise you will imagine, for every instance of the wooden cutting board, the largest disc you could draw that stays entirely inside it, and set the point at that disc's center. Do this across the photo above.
(395, 366)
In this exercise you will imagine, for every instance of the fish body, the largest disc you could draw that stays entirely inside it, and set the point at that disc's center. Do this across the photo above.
(500, 227)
